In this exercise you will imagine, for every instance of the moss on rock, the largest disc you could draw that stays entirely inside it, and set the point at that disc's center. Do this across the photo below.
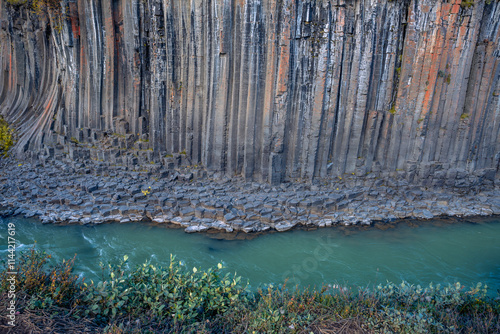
(6, 137)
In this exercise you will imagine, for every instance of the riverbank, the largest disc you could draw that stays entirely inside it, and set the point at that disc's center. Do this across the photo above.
(198, 201)
(173, 299)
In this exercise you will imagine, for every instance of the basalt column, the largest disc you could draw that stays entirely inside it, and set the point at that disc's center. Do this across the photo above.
(270, 90)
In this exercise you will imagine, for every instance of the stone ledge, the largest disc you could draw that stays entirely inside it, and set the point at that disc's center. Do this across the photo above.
(57, 192)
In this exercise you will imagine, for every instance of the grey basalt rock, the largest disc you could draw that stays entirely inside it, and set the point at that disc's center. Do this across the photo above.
(269, 90)
(284, 226)
(185, 205)
(196, 228)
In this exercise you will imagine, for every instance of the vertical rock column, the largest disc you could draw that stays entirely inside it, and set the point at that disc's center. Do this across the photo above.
(270, 90)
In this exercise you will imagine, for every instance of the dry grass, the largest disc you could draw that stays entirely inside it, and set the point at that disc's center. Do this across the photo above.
(53, 320)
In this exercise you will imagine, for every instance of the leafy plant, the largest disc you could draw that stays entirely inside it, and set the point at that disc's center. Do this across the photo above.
(175, 299)
(174, 293)
(46, 286)
(6, 137)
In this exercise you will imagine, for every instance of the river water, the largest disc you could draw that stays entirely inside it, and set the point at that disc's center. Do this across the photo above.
(440, 251)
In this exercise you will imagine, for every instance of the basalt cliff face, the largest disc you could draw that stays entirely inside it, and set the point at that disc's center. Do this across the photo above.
(272, 90)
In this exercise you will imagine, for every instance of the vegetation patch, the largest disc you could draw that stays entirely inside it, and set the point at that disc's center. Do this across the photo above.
(152, 299)
(393, 109)
(6, 137)
(52, 8)
(467, 3)
(448, 79)
(38, 6)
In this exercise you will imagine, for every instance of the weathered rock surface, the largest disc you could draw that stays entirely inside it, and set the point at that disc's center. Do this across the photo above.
(60, 193)
(269, 90)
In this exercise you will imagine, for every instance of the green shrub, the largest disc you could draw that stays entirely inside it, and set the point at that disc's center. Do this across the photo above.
(46, 286)
(279, 310)
(172, 293)
(407, 308)
(392, 320)
(175, 299)
(6, 137)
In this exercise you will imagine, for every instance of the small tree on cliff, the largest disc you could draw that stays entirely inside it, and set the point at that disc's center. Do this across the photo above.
(6, 137)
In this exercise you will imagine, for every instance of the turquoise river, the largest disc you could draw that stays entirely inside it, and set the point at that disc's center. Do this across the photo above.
(420, 252)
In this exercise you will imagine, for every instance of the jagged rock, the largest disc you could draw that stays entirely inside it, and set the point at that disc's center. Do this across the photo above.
(284, 226)
(187, 211)
(230, 216)
(426, 214)
(195, 228)
(401, 94)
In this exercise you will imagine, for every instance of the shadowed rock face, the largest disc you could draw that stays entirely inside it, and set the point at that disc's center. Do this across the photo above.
(271, 90)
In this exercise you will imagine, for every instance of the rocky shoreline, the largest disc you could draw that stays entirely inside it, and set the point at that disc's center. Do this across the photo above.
(199, 201)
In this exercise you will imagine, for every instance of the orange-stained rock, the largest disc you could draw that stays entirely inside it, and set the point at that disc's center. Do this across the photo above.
(271, 90)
